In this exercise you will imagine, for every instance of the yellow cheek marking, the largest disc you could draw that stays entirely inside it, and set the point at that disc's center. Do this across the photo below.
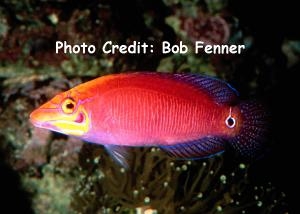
(71, 127)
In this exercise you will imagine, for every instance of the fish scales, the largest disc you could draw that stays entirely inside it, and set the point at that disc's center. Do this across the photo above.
(135, 106)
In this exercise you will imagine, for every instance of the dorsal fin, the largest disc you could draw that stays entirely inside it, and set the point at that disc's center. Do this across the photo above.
(221, 91)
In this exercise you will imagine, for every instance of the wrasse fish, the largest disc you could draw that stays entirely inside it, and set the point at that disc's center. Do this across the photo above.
(186, 115)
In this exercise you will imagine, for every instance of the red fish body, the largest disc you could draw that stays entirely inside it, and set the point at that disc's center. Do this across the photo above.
(145, 110)
(186, 115)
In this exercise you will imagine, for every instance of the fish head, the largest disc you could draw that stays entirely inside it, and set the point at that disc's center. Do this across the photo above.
(65, 113)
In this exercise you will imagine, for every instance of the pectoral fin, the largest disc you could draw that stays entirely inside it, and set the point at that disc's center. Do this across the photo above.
(120, 154)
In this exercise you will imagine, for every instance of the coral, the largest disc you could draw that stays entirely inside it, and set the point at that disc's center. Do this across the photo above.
(169, 186)
(52, 192)
(206, 28)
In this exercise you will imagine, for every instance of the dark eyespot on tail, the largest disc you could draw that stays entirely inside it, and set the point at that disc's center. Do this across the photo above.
(251, 140)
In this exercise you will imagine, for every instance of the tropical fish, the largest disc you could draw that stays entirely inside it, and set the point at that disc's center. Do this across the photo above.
(186, 115)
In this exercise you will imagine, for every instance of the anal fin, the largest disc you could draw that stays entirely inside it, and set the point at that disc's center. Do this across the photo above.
(201, 148)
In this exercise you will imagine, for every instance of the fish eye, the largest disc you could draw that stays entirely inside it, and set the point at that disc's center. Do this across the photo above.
(68, 106)
(230, 122)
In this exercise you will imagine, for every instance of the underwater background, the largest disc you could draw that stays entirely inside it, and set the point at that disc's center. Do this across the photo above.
(46, 172)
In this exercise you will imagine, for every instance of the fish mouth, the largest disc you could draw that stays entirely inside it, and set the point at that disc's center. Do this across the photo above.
(36, 120)
(45, 125)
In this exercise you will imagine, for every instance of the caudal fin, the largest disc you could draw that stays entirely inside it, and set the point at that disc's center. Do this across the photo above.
(250, 141)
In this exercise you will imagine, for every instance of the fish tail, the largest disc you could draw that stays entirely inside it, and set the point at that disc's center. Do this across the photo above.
(251, 139)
